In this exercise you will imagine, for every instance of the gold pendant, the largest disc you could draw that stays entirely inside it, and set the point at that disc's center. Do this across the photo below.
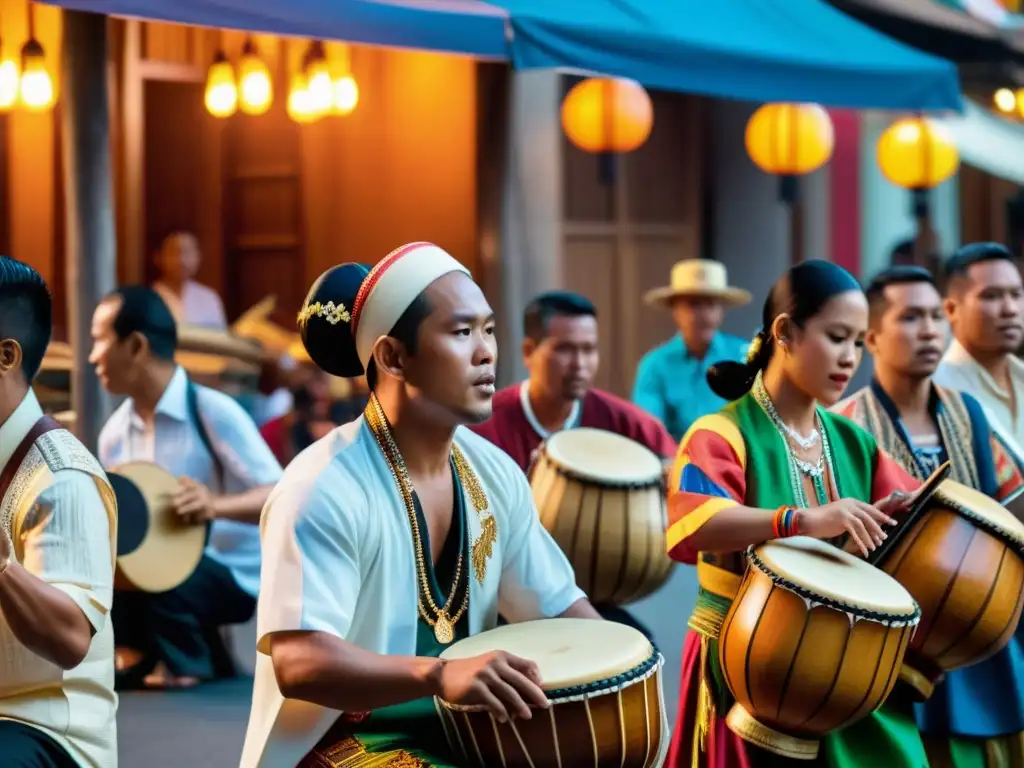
(443, 630)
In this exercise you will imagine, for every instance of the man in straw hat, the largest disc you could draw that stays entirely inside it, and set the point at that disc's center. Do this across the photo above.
(671, 382)
(398, 533)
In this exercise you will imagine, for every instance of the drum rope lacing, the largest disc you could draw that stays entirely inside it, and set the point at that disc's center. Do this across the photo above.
(985, 524)
(614, 684)
(854, 612)
(442, 622)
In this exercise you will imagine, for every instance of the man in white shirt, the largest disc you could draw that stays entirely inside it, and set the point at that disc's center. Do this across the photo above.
(58, 522)
(985, 305)
(190, 302)
(398, 533)
(226, 472)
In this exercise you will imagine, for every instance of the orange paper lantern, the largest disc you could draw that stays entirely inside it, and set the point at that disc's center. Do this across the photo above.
(790, 139)
(603, 114)
(915, 153)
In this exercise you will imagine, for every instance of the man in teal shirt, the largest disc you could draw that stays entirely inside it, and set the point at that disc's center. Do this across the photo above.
(670, 381)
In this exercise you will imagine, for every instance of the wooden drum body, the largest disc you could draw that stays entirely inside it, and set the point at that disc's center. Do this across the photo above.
(962, 562)
(812, 643)
(604, 684)
(602, 498)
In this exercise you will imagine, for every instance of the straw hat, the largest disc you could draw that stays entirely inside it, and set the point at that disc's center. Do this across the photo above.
(698, 277)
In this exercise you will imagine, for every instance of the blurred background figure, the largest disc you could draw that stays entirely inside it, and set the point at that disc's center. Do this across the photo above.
(671, 382)
(190, 302)
(309, 419)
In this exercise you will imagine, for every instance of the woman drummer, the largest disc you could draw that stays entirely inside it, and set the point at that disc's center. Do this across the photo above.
(727, 495)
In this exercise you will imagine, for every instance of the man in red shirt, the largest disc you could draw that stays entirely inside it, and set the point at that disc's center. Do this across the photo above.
(561, 353)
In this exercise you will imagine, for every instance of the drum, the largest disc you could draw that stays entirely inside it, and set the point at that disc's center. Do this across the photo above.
(155, 550)
(602, 498)
(604, 683)
(813, 642)
(963, 561)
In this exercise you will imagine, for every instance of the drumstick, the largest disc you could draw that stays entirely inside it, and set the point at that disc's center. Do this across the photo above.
(916, 506)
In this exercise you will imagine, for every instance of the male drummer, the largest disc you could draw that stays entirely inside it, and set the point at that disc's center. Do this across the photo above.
(985, 305)
(560, 351)
(922, 425)
(57, 532)
(357, 601)
(225, 471)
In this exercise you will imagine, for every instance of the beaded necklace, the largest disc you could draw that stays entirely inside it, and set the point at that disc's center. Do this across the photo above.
(798, 468)
(440, 619)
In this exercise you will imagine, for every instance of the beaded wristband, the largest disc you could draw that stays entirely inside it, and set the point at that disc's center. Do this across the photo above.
(785, 522)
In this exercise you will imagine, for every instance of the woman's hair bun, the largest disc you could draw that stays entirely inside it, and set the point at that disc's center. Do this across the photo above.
(325, 320)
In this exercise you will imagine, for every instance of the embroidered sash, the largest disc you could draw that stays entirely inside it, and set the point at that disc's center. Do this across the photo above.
(955, 428)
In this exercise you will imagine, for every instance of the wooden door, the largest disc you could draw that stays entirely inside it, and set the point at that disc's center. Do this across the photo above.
(263, 222)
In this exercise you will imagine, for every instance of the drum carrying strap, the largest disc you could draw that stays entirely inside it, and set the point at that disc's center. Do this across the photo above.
(193, 413)
(192, 400)
(40, 428)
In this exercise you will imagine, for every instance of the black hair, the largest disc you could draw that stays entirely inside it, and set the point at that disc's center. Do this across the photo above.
(26, 313)
(540, 311)
(332, 346)
(142, 311)
(967, 256)
(901, 252)
(902, 275)
(800, 293)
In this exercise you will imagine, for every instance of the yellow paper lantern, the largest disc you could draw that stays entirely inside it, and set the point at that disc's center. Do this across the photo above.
(221, 92)
(915, 153)
(603, 114)
(36, 85)
(255, 87)
(790, 139)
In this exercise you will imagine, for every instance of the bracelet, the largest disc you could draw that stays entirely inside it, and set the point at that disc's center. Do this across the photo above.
(785, 522)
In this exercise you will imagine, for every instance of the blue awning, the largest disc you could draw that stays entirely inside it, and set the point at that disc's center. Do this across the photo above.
(768, 50)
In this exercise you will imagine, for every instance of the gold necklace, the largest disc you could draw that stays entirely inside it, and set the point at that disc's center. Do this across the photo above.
(438, 618)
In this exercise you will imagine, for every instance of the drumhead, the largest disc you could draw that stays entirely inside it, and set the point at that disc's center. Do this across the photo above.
(977, 506)
(569, 652)
(824, 571)
(155, 552)
(602, 456)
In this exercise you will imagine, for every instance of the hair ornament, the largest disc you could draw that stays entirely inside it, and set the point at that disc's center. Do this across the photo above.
(755, 346)
(331, 312)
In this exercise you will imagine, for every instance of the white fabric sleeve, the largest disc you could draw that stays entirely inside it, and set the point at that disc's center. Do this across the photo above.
(72, 550)
(311, 576)
(537, 581)
(240, 447)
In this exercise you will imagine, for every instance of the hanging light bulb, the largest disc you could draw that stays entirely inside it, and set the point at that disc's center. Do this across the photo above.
(346, 95)
(9, 84)
(321, 86)
(257, 90)
(300, 103)
(1005, 100)
(36, 85)
(221, 92)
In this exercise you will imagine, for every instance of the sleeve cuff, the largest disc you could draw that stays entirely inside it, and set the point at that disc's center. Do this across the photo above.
(558, 603)
(88, 602)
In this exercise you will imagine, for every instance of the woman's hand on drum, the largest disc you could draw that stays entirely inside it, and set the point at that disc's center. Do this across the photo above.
(862, 521)
(505, 684)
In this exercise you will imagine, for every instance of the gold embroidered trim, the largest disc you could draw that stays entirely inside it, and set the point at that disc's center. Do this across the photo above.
(350, 753)
(331, 312)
